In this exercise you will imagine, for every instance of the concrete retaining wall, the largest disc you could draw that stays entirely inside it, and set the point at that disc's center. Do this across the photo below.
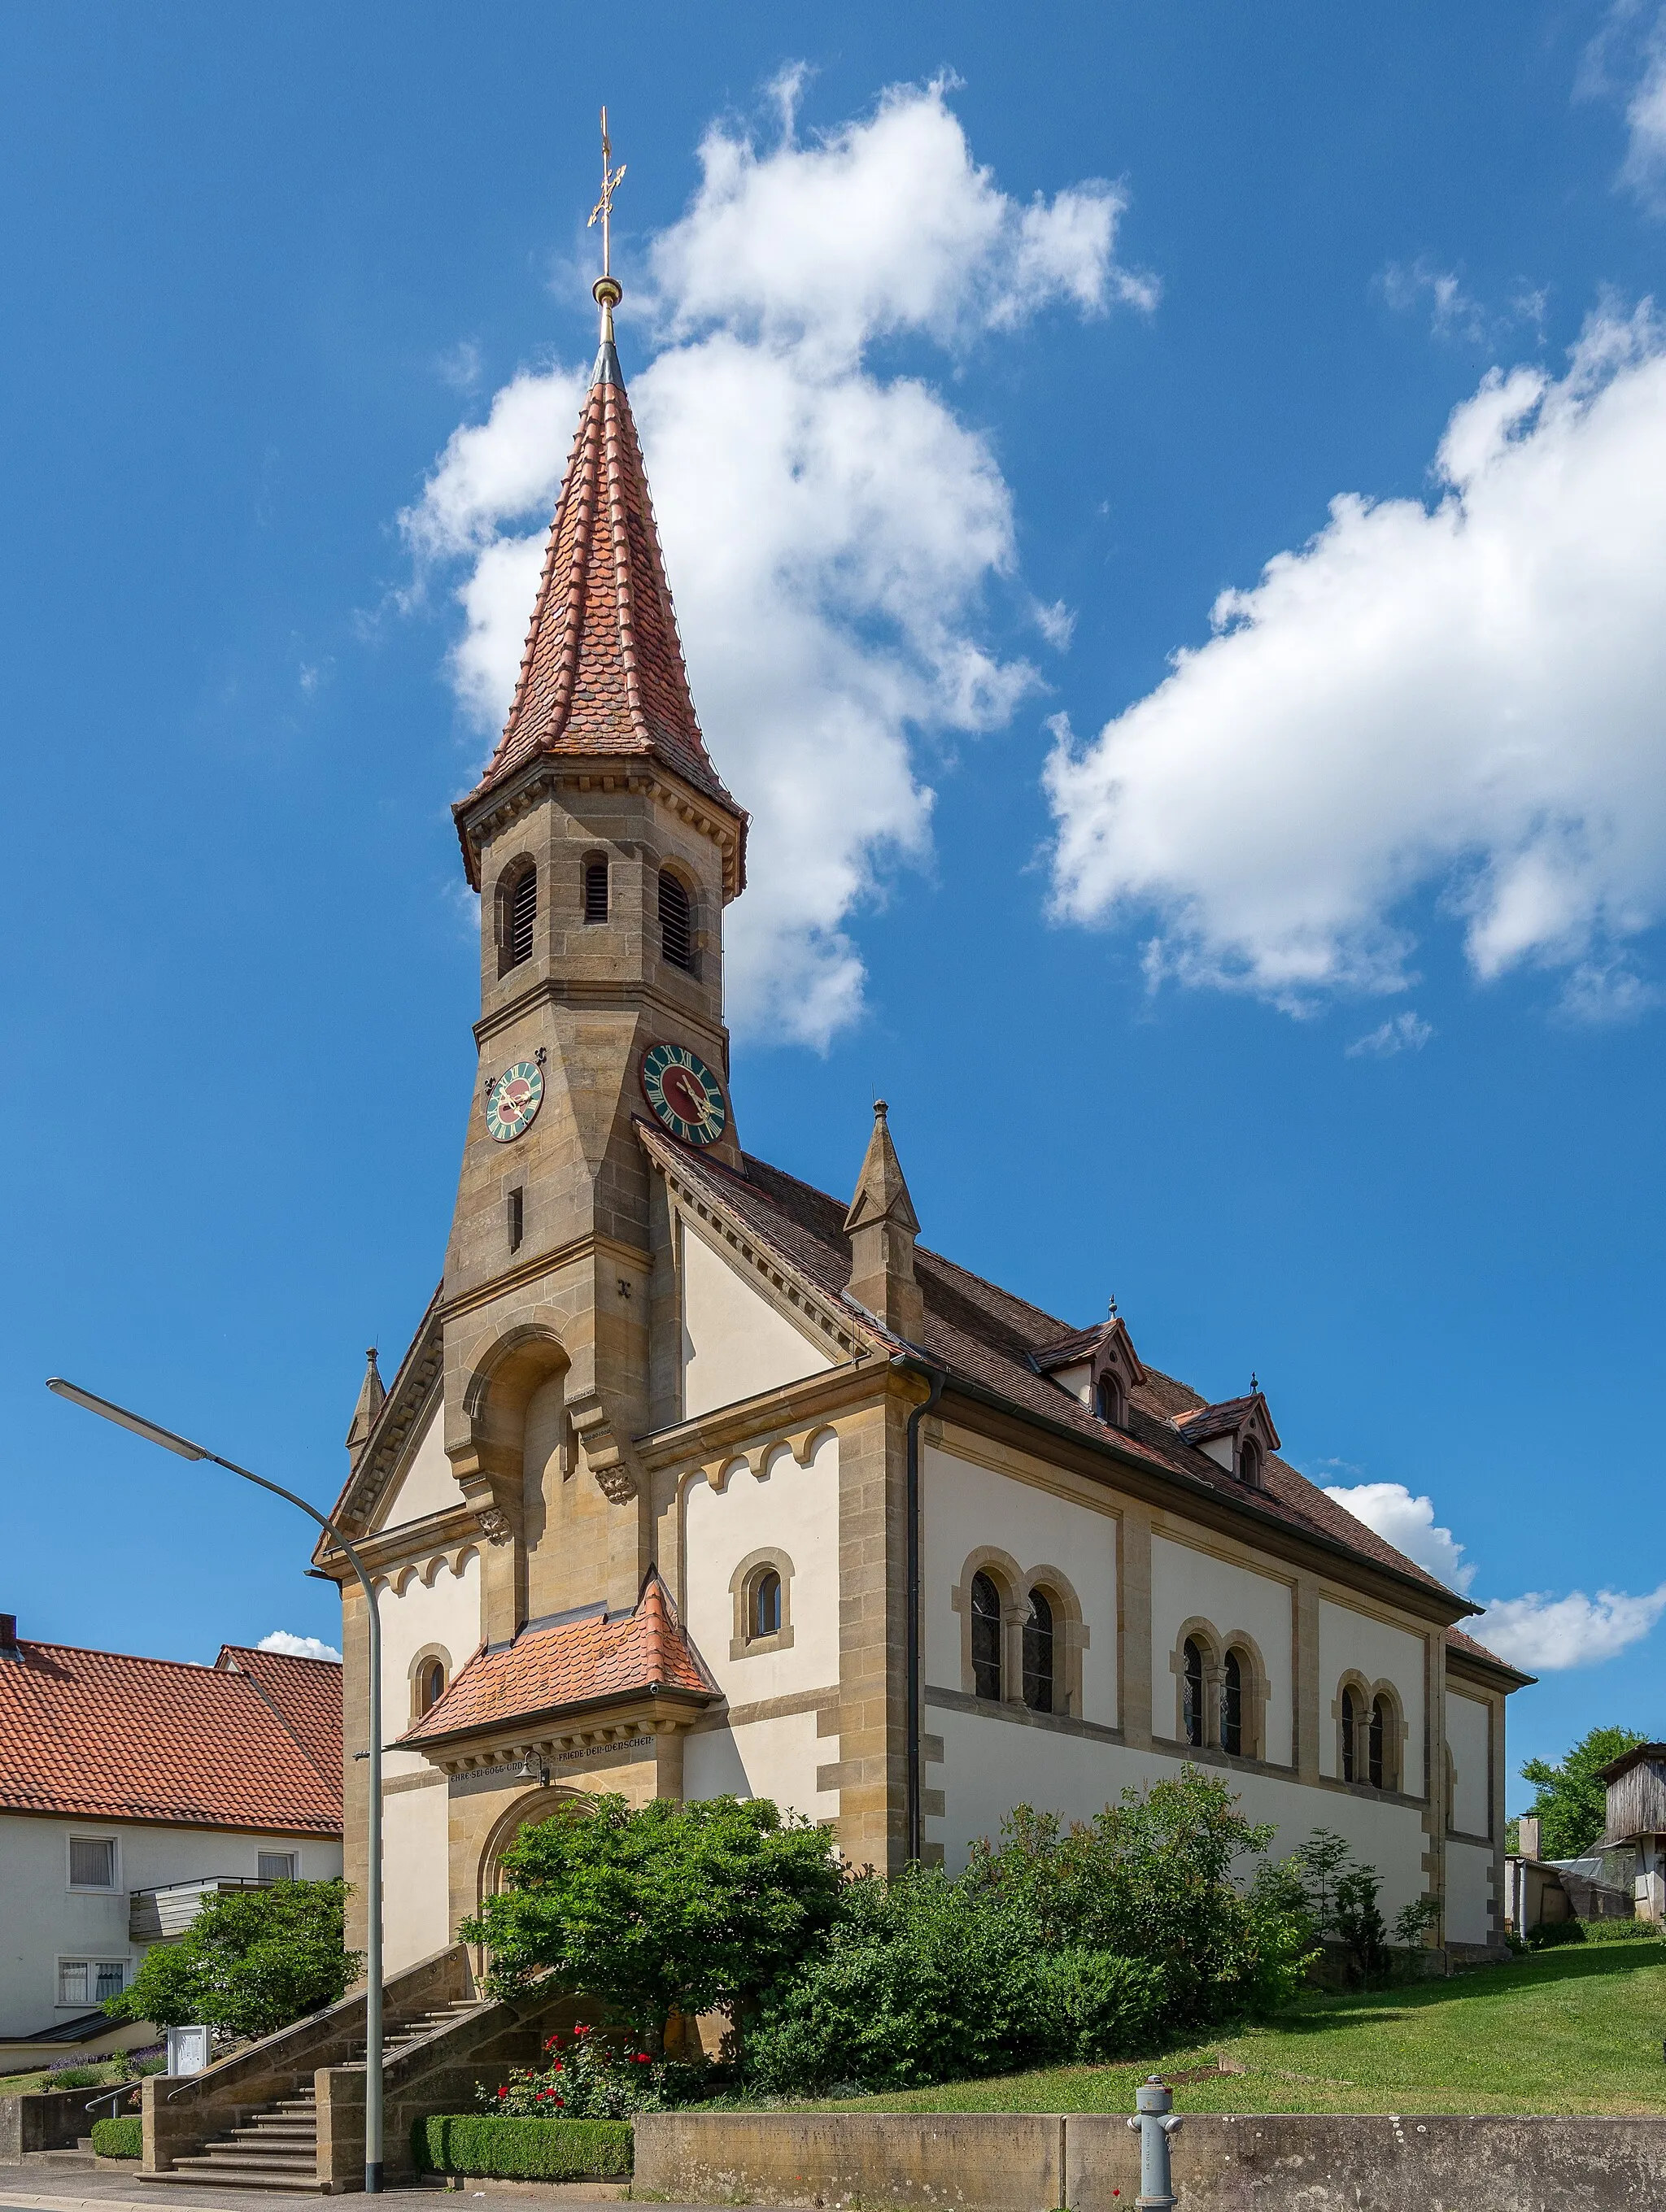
(44, 2119)
(1030, 2162)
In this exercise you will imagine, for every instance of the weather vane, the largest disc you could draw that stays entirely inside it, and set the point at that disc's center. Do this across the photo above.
(606, 290)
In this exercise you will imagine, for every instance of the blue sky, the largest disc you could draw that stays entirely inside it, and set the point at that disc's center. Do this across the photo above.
(1304, 992)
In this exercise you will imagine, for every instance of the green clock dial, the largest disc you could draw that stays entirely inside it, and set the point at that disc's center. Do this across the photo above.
(685, 1094)
(514, 1100)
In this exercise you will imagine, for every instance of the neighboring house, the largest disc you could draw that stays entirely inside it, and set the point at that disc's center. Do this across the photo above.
(1635, 1823)
(643, 1498)
(1542, 1893)
(128, 1787)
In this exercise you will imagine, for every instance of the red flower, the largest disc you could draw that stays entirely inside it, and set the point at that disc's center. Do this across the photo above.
(642, 2058)
(557, 2068)
(581, 2029)
(504, 2092)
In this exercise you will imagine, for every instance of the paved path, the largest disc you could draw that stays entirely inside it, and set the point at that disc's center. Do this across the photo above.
(42, 2191)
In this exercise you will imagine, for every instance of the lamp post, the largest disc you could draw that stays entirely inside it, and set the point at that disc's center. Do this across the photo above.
(153, 1433)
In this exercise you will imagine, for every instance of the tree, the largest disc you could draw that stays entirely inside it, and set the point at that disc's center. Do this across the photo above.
(660, 1907)
(251, 1962)
(1571, 1806)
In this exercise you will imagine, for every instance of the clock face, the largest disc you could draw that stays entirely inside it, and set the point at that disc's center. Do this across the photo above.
(513, 1101)
(683, 1093)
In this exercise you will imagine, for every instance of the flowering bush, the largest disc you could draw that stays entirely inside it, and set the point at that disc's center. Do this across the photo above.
(586, 2077)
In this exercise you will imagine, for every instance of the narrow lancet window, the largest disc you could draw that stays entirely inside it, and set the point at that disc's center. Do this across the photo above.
(986, 1638)
(1350, 1731)
(1191, 1658)
(1231, 1705)
(595, 890)
(676, 921)
(522, 915)
(1376, 1740)
(766, 1604)
(1038, 1654)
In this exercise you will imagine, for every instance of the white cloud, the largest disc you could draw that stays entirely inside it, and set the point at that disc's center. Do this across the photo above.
(1406, 1032)
(1408, 1523)
(1625, 62)
(1452, 312)
(1464, 698)
(297, 1647)
(1544, 1634)
(1535, 1631)
(830, 531)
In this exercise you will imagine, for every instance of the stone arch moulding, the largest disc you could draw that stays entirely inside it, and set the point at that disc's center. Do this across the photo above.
(1008, 1578)
(535, 1804)
(1252, 1711)
(421, 1661)
(741, 1645)
(1350, 1755)
(1070, 1635)
(1207, 1638)
(486, 1434)
(760, 1460)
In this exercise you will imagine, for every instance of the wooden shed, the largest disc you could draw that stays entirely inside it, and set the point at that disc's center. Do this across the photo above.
(1636, 1783)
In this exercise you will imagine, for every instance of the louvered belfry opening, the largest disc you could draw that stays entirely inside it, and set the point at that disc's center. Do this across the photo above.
(676, 922)
(523, 913)
(595, 890)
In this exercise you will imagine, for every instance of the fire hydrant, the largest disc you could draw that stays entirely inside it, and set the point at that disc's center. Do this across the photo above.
(1156, 2121)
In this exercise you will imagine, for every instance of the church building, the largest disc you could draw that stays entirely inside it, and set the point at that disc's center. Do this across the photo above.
(696, 1480)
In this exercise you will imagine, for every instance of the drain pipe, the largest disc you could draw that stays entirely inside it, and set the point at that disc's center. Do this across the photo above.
(913, 1795)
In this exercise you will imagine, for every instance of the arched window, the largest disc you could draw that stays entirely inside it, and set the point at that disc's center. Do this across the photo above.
(765, 1611)
(986, 1638)
(522, 914)
(1249, 1463)
(1231, 1703)
(1191, 1655)
(1038, 1654)
(1112, 1408)
(1350, 1731)
(430, 1685)
(676, 921)
(1376, 1741)
(595, 889)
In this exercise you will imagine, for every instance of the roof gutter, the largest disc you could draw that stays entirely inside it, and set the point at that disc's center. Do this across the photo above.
(914, 1800)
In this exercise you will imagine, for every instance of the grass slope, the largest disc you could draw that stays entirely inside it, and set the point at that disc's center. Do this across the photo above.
(1572, 2031)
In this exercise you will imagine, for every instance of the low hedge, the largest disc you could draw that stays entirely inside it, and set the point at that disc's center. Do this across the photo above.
(120, 2138)
(523, 2150)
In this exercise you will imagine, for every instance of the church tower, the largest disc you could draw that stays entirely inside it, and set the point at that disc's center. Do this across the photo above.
(604, 848)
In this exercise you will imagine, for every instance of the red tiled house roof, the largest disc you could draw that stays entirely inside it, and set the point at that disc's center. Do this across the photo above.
(306, 1694)
(572, 1666)
(602, 675)
(110, 1737)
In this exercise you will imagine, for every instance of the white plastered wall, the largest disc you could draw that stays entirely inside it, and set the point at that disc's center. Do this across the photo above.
(421, 1607)
(1468, 1893)
(1189, 1584)
(1358, 1642)
(1466, 1728)
(428, 1485)
(990, 1765)
(966, 1507)
(735, 1344)
(788, 1508)
(775, 1758)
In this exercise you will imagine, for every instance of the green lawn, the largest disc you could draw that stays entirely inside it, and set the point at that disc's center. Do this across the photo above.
(1577, 2030)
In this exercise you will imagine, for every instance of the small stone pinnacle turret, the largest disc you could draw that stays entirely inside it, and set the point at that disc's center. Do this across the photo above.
(882, 1225)
(371, 1395)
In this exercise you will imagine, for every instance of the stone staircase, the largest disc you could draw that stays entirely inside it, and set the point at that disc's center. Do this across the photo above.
(276, 2147)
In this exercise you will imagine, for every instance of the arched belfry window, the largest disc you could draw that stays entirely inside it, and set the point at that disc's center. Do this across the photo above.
(676, 921)
(516, 918)
(595, 889)
(1376, 1741)
(986, 1638)
(1038, 1654)
(1191, 1657)
(1350, 1736)
(1231, 1703)
(765, 1607)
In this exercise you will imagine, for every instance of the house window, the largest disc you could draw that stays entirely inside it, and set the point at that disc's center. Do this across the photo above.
(1350, 1732)
(276, 1866)
(1191, 1657)
(676, 921)
(1231, 1705)
(986, 1638)
(1374, 1741)
(89, 1981)
(595, 890)
(92, 1862)
(1038, 1654)
(765, 1608)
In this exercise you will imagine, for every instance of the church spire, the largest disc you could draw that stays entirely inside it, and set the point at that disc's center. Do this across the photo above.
(602, 675)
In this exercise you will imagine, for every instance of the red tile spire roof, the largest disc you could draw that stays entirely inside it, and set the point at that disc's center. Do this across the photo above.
(602, 675)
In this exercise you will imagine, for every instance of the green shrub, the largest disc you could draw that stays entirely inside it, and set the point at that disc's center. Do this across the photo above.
(120, 2138)
(1549, 1934)
(77, 2077)
(252, 1961)
(1094, 2006)
(523, 2150)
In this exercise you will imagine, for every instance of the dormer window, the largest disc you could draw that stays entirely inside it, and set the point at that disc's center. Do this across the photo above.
(1237, 1435)
(1113, 1406)
(1250, 1463)
(1099, 1367)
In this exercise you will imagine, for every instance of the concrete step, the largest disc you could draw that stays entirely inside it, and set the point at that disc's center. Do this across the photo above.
(207, 2177)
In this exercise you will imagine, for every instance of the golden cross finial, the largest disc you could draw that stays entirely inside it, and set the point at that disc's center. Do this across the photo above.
(603, 210)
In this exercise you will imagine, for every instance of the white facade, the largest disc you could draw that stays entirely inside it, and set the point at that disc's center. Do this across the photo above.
(63, 1943)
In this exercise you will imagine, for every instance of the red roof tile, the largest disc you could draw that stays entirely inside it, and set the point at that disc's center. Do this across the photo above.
(111, 1737)
(603, 672)
(570, 1665)
(305, 1694)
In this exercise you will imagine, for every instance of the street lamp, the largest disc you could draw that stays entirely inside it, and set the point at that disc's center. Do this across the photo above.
(153, 1433)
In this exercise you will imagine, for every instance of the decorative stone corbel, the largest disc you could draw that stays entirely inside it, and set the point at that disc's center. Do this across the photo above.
(606, 1447)
(493, 1524)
